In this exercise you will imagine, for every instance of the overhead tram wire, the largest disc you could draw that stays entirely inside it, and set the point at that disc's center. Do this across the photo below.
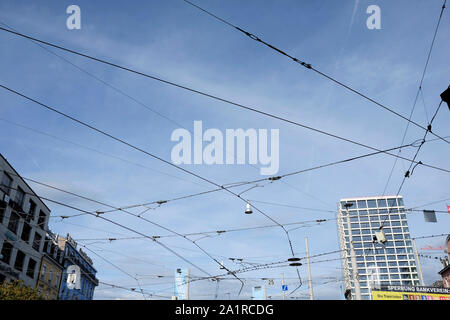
(132, 99)
(259, 180)
(132, 214)
(121, 226)
(95, 150)
(410, 170)
(251, 182)
(190, 89)
(112, 87)
(117, 267)
(419, 90)
(218, 232)
(151, 155)
(308, 66)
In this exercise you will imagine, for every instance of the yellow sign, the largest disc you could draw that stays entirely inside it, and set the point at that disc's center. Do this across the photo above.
(392, 295)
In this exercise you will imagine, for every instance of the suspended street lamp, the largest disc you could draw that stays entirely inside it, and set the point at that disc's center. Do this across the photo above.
(248, 209)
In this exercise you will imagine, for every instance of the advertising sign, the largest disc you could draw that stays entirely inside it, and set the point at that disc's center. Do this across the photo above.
(411, 293)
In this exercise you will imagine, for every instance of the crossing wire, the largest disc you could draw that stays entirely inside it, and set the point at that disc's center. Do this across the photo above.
(419, 90)
(191, 90)
(137, 216)
(151, 155)
(310, 67)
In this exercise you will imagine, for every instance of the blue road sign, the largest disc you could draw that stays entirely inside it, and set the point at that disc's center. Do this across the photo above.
(284, 287)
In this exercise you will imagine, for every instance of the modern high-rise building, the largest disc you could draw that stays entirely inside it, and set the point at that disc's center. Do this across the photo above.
(378, 265)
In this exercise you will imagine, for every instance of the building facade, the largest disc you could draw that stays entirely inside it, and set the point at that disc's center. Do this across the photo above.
(51, 269)
(378, 265)
(445, 272)
(72, 256)
(23, 226)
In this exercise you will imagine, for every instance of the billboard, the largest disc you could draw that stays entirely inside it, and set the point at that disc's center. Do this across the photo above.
(411, 293)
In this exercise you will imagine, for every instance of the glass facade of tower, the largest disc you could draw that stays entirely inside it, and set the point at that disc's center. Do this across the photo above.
(391, 263)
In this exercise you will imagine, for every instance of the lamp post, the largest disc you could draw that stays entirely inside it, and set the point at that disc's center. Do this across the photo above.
(352, 254)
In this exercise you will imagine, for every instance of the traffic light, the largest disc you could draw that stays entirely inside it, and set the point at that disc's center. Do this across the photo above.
(445, 96)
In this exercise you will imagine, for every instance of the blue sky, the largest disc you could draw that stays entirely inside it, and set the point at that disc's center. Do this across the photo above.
(174, 41)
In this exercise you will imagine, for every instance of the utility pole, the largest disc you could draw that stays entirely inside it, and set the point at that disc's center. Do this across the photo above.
(187, 283)
(353, 255)
(419, 268)
(282, 286)
(311, 294)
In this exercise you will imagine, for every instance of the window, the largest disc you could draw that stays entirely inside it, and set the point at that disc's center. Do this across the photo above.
(382, 203)
(375, 224)
(20, 195)
(392, 202)
(392, 263)
(6, 252)
(365, 225)
(362, 204)
(13, 224)
(393, 270)
(20, 257)
(44, 271)
(50, 277)
(46, 245)
(2, 212)
(26, 231)
(6, 182)
(37, 241)
(56, 280)
(31, 211)
(42, 217)
(31, 268)
(371, 203)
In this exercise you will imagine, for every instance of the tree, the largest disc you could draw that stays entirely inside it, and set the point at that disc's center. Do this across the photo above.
(16, 290)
